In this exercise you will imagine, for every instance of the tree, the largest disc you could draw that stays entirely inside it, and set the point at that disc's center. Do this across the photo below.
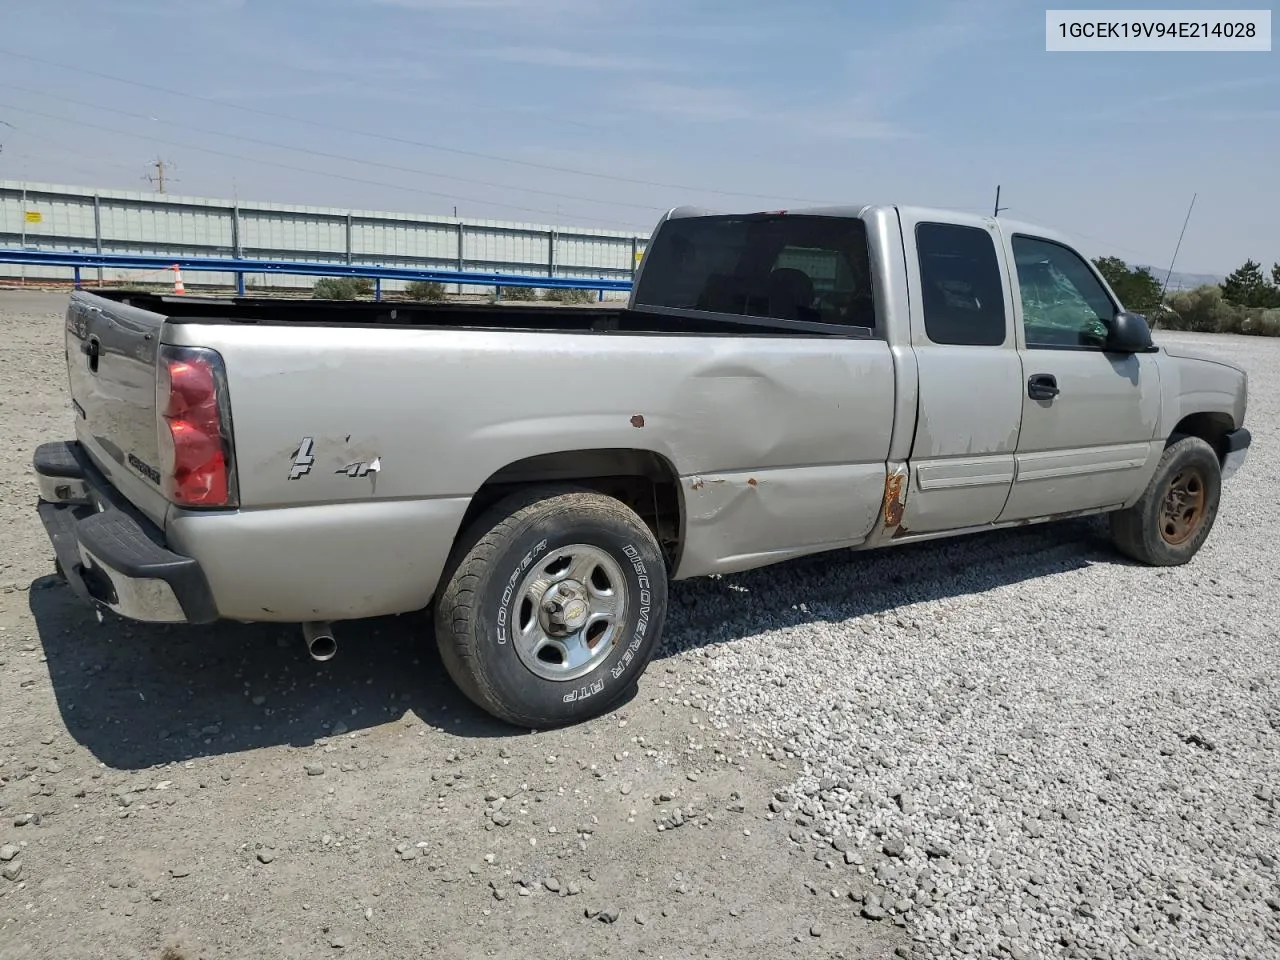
(1247, 287)
(1137, 289)
(1275, 274)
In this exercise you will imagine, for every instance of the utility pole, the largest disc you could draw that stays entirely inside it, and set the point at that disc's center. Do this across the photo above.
(998, 208)
(160, 165)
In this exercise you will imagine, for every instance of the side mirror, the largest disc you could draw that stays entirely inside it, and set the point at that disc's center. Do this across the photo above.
(1128, 333)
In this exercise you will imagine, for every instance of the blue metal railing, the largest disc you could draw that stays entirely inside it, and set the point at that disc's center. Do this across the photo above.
(130, 261)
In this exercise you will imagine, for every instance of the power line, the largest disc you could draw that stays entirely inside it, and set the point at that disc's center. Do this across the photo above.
(297, 169)
(563, 118)
(417, 171)
(390, 166)
(71, 164)
(79, 154)
(1066, 228)
(406, 141)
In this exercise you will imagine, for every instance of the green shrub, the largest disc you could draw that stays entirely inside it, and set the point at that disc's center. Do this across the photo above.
(1200, 310)
(342, 288)
(431, 290)
(1206, 310)
(517, 293)
(560, 295)
(1262, 323)
(1232, 319)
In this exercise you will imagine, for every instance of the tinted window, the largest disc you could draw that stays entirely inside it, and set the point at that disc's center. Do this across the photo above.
(791, 267)
(1063, 303)
(960, 275)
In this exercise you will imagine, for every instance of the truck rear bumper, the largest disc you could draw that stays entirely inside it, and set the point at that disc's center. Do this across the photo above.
(1237, 449)
(109, 554)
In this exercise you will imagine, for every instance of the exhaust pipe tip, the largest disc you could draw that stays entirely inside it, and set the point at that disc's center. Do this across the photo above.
(321, 644)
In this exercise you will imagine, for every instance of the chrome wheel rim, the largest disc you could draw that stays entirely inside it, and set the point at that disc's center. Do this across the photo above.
(568, 611)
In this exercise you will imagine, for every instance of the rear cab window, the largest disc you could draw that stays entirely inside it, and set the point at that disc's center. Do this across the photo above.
(791, 267)
(962, 289)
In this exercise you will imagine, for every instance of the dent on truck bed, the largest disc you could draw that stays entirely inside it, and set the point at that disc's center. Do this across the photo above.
(735, 521)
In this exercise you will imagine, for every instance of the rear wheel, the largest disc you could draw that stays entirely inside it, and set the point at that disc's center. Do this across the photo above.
(552, 606)
(1175, 515)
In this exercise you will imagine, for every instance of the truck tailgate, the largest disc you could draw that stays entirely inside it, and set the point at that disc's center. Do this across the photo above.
(111, 365)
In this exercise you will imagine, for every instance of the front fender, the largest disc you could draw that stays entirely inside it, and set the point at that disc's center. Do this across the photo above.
(1197, 385)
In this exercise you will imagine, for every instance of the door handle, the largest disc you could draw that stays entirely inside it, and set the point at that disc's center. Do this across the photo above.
(1042, 386)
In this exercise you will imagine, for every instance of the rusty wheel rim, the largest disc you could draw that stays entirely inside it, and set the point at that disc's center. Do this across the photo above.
(1183, 508)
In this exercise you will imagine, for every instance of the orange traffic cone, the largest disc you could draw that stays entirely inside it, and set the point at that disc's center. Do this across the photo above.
(177, 280)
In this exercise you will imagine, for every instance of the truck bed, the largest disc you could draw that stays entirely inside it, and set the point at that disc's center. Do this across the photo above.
(356, 456)
(277, 311)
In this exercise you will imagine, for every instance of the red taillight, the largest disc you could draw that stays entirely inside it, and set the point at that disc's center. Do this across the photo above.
(191, 387)
(194, 446)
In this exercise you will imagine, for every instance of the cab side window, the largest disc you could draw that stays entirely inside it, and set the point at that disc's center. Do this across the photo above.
(1063, 303)
(962, 294)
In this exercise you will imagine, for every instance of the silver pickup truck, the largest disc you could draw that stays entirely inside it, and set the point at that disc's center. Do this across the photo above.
(779, 384)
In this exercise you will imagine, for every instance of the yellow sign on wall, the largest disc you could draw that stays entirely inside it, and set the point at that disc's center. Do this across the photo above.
(34, 216)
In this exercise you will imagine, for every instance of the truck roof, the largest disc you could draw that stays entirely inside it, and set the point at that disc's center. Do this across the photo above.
(862, 211)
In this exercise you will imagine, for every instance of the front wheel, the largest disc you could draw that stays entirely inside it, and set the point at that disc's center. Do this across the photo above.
(552, 606)
(1173, 518)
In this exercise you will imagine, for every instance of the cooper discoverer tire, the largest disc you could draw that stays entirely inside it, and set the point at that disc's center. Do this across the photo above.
(1171, 521)
(551, 606)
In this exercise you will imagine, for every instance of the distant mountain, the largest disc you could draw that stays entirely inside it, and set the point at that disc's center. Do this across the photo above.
(1185, 281)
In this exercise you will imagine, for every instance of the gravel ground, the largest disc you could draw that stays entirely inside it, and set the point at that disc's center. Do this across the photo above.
(1013, 744)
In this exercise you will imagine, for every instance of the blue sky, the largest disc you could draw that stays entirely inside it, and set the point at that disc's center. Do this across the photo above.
(605, 112)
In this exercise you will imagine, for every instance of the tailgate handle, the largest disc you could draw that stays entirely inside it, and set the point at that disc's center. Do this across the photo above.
(90, 348)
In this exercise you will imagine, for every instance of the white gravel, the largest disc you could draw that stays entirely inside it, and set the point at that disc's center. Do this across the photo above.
(1017, 744)
(1087, 747)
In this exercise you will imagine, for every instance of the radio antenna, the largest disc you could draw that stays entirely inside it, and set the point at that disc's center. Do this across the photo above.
(1178, 247)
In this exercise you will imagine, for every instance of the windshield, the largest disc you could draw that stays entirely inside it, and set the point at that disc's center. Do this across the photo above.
(789, 267)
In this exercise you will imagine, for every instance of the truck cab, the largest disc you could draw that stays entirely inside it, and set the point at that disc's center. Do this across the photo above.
(1024, 390)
